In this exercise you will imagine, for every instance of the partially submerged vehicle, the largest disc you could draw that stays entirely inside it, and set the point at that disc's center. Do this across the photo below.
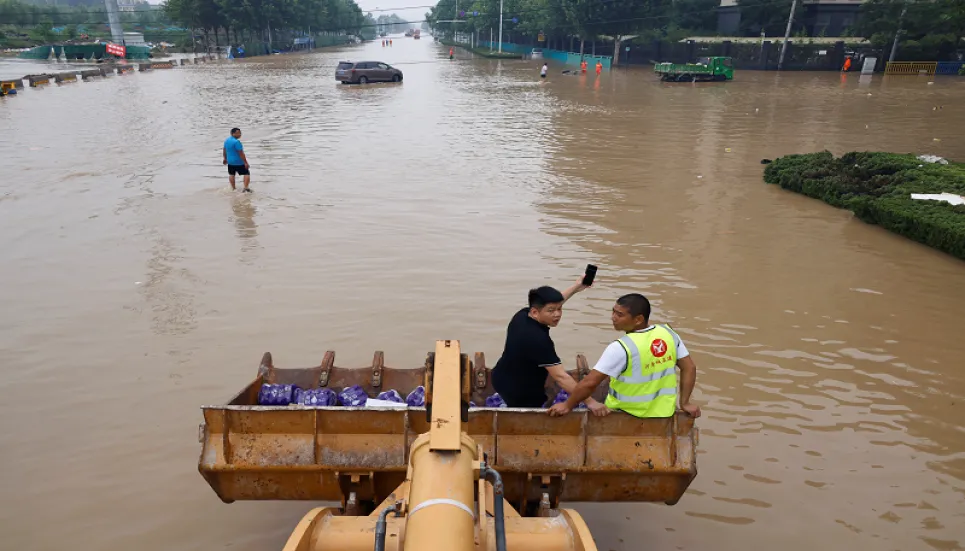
(479, 478)
(706, 69)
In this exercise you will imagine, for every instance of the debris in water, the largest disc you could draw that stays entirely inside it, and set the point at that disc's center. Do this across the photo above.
(932, 159)
(863, 290)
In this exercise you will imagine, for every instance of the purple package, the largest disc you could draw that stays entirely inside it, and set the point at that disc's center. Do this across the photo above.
(353, 396)
(495, 401)
(391, 395)
(562, 396)
(416, 398)
(318, 397)
(276, 395)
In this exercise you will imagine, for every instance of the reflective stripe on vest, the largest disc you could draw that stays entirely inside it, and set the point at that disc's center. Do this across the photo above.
(647, 387)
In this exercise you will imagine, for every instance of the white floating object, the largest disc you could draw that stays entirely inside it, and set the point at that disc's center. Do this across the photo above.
(947, 197)
(933, 159)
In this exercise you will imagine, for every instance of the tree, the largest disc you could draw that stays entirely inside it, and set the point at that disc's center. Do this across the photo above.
(769, 16)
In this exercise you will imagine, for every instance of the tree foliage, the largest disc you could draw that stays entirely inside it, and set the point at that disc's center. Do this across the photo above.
(343, 16)
(929, 28)
(587, 19)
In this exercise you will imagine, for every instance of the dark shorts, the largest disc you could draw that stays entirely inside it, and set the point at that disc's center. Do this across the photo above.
(542, 76)
(238, 169)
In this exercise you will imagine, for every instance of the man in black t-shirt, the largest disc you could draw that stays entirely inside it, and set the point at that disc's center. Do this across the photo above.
(529, 354)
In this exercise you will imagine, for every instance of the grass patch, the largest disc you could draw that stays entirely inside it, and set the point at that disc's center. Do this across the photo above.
(877, 187)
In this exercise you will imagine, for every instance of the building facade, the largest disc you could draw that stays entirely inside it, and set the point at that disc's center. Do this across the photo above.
(821, 17)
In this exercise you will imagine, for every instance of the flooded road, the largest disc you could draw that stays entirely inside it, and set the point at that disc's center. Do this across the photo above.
(137, 287)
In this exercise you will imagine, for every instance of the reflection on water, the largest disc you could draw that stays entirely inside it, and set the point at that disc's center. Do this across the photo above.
(245, 227)
(828, 350)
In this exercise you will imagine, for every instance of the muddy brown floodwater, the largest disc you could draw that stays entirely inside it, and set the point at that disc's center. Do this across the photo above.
(136, 287)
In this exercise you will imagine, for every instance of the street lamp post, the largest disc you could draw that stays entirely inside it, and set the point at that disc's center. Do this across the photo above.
(500, 26)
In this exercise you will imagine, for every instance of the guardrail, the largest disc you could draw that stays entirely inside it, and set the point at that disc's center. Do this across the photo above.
(10, 87)
(911, 68)
(949, 67)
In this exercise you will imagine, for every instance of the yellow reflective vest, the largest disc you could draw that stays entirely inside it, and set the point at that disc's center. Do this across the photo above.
(648, 385)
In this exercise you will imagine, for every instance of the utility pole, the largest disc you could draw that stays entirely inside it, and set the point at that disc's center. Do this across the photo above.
(787, 35)
(894, 46)
(500, 26)
(114, 19)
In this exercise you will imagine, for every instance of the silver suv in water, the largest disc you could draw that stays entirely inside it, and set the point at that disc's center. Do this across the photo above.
(363, 72)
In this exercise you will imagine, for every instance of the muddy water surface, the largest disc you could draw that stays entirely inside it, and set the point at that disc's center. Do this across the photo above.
(137, 287)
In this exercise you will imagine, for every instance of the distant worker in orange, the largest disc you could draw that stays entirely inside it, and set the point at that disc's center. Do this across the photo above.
(583, 65)
(847, 64)
(599, 68)
(451, 53)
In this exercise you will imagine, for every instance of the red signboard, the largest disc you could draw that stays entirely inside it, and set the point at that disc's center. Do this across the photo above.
(116, 49)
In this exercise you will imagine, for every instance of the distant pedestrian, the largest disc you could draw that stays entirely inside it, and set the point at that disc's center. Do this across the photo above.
(583, 65)
(599, 68)
(452, 52)
(543, 71)
(847, 65)
(234, 156)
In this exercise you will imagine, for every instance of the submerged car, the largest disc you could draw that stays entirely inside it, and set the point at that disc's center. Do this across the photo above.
(363, 72)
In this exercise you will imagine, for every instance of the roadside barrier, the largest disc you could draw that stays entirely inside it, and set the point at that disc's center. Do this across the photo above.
(912, 68)
(10, 87)
(948, 67)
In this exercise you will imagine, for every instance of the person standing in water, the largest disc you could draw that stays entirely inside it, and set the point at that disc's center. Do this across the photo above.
(582, 65)
(599, 68)
(233, 155)
(542, 72)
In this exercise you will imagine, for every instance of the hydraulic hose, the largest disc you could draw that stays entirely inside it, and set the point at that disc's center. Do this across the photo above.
(498, 500)
(380, 525)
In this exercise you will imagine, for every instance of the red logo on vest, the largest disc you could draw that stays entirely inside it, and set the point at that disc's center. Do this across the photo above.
(658, 348)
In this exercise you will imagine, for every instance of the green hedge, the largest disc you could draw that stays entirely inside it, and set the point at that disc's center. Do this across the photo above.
(877, 187)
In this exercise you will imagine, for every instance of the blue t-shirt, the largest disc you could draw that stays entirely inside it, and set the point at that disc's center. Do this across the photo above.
(233, 149)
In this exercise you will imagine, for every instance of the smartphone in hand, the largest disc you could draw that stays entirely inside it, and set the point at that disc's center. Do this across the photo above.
(589, 275)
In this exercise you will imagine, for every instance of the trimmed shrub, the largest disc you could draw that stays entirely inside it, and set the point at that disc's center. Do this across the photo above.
(877, 187)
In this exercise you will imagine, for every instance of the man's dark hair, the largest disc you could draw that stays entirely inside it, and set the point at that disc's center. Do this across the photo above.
(636, 304)
(233, 130)
(541, 296)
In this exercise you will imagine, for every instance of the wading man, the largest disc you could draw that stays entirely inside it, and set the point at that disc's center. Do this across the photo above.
(529, 355)
(234, 156)
(641, 366)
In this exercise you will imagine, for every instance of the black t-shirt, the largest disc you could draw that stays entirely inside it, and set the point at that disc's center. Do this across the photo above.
(520, 373)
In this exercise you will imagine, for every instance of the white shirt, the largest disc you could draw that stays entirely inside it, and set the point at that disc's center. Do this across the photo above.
(614, 359)
(543, 70)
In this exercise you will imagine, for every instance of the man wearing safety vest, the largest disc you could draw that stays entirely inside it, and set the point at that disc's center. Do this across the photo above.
(641, 366)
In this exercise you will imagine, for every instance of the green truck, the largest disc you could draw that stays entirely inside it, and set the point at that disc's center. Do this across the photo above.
(706, 69)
